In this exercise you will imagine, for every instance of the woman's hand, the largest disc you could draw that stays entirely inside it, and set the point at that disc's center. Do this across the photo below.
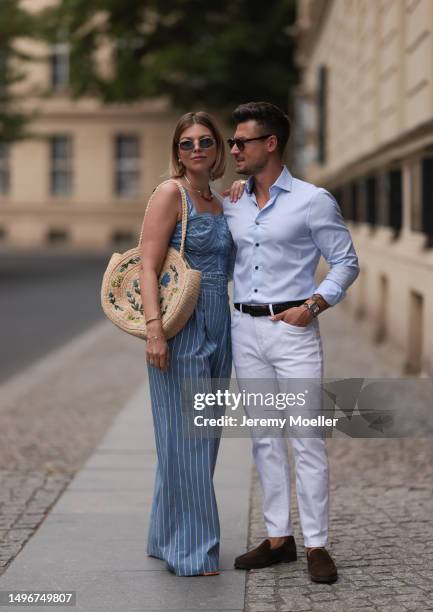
(235, 191)
(157, 354)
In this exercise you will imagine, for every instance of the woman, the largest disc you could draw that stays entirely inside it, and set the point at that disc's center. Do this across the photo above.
(184, 525)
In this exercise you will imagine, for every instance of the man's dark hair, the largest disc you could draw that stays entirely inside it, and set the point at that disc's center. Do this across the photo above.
(273, 120)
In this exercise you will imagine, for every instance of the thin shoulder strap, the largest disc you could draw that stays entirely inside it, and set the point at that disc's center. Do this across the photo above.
(184, 213)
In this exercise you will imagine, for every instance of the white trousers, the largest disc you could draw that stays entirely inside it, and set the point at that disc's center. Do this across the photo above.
(264, 349)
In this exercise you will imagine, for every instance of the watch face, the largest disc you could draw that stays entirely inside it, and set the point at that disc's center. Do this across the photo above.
(315, 309)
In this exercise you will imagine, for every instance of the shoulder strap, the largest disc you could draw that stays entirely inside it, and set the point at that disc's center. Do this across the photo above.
(184, 213)
(190, 203)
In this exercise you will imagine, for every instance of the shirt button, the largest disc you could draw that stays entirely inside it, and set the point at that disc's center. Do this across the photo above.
(256, 267)
(257, 244)
(257, 222)
(255, 290)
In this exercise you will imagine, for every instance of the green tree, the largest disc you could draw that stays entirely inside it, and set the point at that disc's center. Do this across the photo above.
(14, 23)
(199, 53)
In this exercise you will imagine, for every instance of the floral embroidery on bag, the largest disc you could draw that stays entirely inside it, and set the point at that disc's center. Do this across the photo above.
(175, 272)
(134, 304)
(165, 280)
(131, 261)
(116, 282)
(136, 285)
(168, 285)
(112, 300)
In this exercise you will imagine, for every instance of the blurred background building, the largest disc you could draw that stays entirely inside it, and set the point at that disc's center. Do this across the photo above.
(83, 178)
(364, 111)
(83, 181)
(363, 128)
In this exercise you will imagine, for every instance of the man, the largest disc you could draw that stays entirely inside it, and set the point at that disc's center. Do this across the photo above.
(281, 226)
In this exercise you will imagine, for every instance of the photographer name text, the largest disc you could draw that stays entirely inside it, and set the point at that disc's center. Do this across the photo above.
(293, 421)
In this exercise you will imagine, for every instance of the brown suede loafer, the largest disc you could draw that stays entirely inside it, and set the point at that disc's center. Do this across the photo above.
(321, 566)
(264, 555)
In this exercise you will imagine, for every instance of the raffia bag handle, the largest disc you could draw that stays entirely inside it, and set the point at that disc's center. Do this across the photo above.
(178, 284)
(184, 213)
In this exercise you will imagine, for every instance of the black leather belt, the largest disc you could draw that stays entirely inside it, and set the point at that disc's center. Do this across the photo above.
(263, 310)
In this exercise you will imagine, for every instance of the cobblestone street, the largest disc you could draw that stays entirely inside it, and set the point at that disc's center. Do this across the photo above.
(25, 498)
(381, 513)
(53, 415)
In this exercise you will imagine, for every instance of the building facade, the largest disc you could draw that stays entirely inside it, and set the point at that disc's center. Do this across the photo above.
(82, 181)
(365, 104)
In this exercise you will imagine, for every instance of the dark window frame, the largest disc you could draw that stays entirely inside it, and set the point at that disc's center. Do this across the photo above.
(57, 235)
(61, 166)
(322, 90)
(354, 201)
(60, 66)
(371, 200)
(5, 171)
(127, 166)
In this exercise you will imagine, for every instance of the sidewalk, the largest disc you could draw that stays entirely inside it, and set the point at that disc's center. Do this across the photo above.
(93, 541)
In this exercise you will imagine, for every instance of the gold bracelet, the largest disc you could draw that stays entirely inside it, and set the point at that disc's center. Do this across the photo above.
(153, 319)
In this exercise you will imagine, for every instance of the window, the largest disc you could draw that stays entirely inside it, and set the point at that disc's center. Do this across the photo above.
(59, 66)
(371, 200)
(427, 196)
(390, 199)
(422, 196)
(57, 235)
(415, 187)
(127, 170)
(61, 165)
(361, 201)
(395, 199)
(4, 169)
(123, 238)
(354, 202)
(321, 114)
(345, 202)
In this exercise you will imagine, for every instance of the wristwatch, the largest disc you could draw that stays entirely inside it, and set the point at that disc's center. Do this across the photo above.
(313, 307)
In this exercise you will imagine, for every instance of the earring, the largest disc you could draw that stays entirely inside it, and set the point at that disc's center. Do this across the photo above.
(211, 175)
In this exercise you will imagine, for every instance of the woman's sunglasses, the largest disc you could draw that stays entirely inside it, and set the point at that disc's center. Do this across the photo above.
(205, 142)
(241, 142)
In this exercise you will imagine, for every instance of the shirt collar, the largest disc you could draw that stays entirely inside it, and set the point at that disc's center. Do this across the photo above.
(283, 182)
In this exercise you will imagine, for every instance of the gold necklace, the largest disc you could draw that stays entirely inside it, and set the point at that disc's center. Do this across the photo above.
(208, 198)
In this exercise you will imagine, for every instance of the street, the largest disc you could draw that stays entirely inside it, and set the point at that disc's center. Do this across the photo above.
(46, 299)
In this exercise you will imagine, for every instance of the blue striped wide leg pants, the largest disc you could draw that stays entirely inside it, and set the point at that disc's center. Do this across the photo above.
(184, 525)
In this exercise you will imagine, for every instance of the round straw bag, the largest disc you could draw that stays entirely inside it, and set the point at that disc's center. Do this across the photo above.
(179, 286)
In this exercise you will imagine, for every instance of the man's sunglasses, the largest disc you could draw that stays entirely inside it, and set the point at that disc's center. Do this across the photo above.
(241, 142)
(205, 142)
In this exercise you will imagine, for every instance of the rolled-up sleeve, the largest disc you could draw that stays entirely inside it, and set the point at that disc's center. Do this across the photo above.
(332, 238)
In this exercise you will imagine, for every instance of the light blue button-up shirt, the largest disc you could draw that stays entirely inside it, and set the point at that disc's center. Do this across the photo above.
(279, 246)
